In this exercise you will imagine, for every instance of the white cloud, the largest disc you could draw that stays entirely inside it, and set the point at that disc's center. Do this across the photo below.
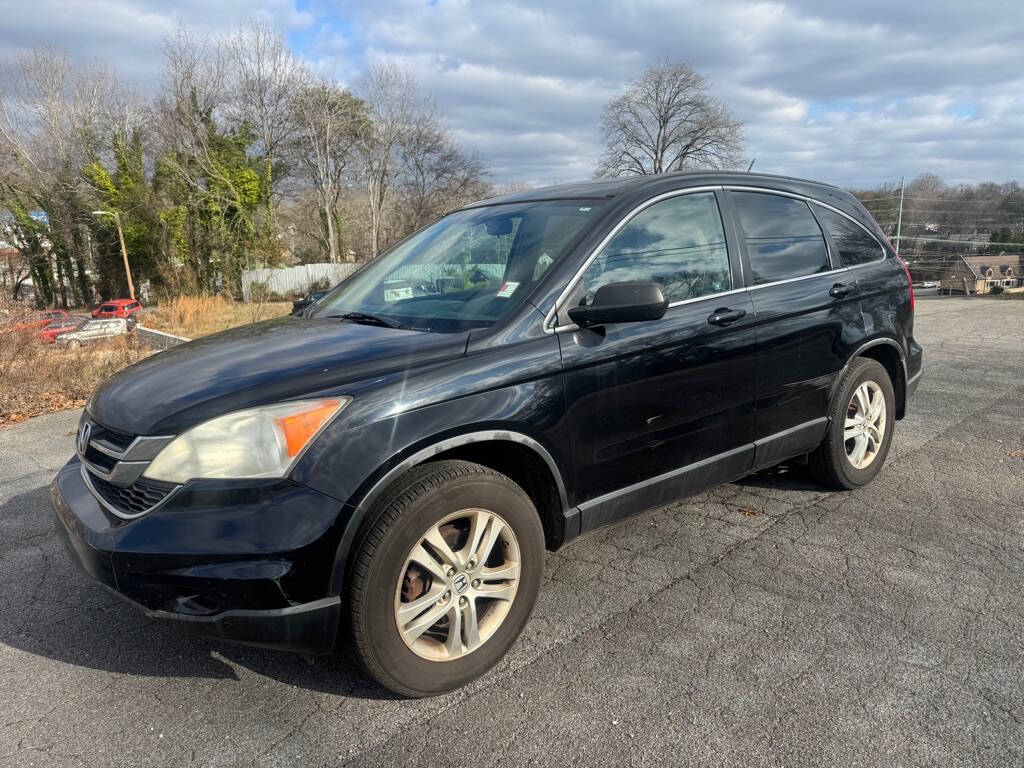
(841, 92)
(128, 34)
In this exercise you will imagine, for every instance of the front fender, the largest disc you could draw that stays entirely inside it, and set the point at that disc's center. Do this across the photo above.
(376, 485)
(356, 458)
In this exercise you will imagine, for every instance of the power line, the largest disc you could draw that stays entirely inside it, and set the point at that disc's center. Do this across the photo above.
(925, 210)
(952, 258)
(893, 196)
(965, 242)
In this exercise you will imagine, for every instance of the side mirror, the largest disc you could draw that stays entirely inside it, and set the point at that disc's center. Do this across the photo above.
(622, 303)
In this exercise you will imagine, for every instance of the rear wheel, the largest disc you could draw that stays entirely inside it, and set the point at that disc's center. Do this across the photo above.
(861, 420)
(445, 577)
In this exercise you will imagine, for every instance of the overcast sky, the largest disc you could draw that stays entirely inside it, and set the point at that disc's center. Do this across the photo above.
(855, 94)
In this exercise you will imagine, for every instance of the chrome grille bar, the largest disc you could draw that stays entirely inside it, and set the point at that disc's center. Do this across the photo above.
(111, 470)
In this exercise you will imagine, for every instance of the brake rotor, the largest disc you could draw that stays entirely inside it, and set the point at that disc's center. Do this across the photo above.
(414, 584)
(416, 581)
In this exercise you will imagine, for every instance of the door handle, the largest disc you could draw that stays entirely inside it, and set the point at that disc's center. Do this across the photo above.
(842, 290)
(725, 316)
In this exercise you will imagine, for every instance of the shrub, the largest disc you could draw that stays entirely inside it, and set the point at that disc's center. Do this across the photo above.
(39, 378)
(259, 292)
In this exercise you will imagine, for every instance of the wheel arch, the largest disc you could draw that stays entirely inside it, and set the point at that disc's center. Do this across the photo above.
(522, 458)
(888, 352)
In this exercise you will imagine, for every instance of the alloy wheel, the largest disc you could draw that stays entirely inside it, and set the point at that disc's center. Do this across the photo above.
(864, 429)
(457, 585)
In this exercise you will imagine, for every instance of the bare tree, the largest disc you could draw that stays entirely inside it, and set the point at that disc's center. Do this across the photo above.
(332, 122)
(194, 166)
(193, 92)
(52, 120)
(263, 77)
(436, 176)
(394, 106)
(667, 121)
(18, 267)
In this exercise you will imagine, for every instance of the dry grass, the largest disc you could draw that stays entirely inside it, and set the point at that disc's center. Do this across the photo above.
(194, 316)
(1012, 293)
(39, 378)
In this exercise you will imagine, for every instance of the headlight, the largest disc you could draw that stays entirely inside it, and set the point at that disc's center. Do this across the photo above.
(257, 442)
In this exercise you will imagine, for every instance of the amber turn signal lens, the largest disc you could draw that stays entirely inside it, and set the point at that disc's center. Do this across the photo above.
(298, 428)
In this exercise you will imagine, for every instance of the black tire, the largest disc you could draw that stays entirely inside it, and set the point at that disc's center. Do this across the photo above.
(829, 462)
(419, 499)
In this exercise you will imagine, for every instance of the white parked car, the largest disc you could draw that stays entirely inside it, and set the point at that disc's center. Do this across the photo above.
(93, 331)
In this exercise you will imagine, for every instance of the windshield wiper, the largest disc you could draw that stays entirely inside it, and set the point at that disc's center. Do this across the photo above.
(365, 318)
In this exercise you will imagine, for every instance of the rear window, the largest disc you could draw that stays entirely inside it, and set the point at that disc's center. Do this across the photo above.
(783, 239)
(853, 244)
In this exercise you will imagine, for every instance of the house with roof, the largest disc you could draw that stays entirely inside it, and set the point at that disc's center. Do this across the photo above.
(979, 274)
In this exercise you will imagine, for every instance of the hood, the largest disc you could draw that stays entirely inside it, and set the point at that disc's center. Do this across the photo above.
(280, 359)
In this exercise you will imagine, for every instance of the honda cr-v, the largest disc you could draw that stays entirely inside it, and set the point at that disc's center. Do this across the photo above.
(386, 470)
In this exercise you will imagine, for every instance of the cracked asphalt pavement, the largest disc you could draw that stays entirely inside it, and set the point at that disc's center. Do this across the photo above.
(767, 622)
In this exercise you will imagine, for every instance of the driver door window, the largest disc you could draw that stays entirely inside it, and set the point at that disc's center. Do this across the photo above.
(678, 243)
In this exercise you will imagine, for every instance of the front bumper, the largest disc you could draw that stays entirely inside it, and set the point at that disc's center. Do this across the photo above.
(248, 563)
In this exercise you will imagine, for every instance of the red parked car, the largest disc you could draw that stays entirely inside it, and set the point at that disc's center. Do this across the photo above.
(60, 325)
(39, 319)
(116, 308)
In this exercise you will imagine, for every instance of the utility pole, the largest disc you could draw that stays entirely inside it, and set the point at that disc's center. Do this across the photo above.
(899, 219)
(124, 253)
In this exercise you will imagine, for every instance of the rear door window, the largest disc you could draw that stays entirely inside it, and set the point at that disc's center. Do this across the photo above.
(782, 237)
(851, 241)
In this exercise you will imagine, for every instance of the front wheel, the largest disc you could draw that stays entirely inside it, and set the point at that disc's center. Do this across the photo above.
(861, 421)
(446, 574)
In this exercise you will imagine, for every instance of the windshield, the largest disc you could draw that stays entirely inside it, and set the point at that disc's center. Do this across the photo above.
(463, 271)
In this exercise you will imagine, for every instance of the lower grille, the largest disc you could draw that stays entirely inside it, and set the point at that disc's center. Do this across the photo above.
(133, 500)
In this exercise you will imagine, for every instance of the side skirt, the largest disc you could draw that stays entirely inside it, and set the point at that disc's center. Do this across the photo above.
(699, 476)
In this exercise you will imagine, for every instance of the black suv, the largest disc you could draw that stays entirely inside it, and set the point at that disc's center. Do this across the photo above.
(389, 469)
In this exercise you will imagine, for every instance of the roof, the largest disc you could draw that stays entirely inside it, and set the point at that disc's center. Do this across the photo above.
(998, 264)
(598, 188)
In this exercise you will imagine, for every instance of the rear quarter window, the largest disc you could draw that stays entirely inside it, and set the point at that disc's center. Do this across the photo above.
(853, 244)
(782, 237)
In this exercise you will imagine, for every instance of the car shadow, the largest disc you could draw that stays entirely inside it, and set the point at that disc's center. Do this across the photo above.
(50, 608)
(789, 476)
